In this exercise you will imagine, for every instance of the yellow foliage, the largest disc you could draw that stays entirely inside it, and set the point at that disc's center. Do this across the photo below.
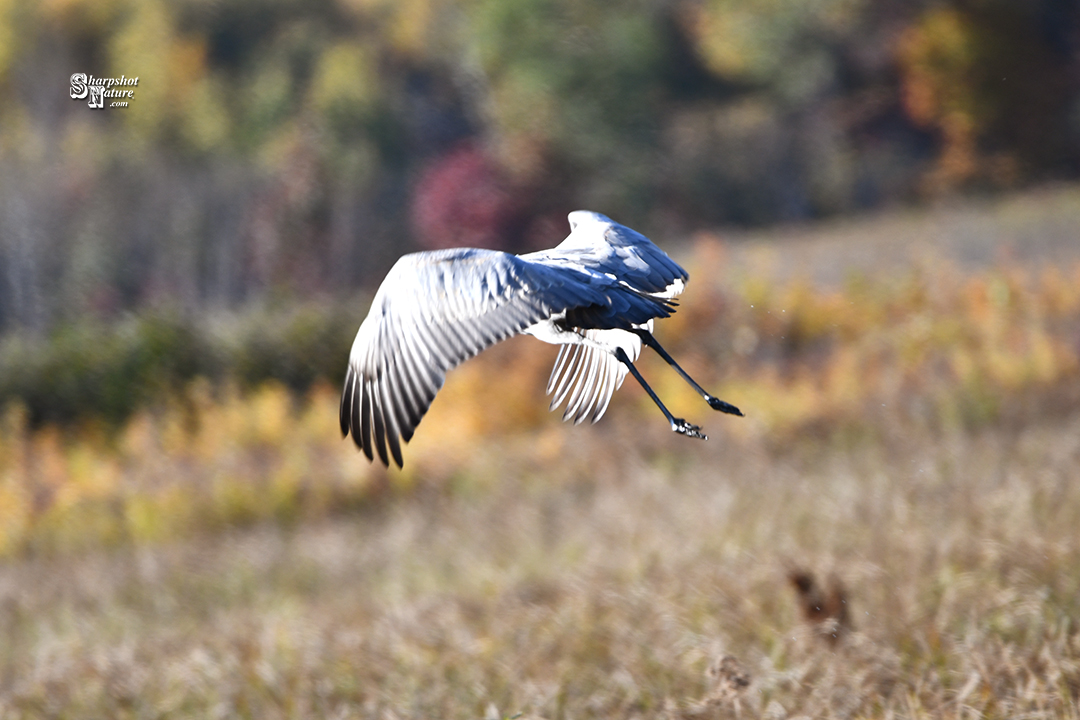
(409, 25)
(346, 76)
(740, 38)
(932, 346)
(8, 35)
(206, 122)
(937, 56)
(143, 47)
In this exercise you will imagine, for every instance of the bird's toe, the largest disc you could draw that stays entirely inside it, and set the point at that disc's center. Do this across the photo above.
(684, 428)
(717, 404)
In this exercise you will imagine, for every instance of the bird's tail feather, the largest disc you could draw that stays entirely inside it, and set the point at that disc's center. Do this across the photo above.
(587, 374)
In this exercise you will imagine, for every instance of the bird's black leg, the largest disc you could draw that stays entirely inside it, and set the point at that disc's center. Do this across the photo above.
(714, 402)
(677, 424)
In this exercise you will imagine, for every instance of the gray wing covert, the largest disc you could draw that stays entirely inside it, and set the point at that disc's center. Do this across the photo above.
(624, 255)
(432, 312)
(644, 266)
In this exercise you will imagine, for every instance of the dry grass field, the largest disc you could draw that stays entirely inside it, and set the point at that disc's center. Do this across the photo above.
(610, 587)
(893, 531)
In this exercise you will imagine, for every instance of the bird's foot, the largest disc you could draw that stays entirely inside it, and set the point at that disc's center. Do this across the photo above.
(681, 426)
(718, 404)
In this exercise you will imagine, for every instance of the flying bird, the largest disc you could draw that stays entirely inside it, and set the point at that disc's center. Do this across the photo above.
(595, 295)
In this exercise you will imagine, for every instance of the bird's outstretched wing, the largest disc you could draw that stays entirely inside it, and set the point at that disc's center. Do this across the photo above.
(435, 310)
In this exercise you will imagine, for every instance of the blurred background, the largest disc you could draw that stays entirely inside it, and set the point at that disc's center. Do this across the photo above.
(877, 202)
(282, 153)
(290, 149)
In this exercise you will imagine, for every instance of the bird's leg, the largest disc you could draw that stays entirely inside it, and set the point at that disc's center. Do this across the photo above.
(677, 424)
(714, 402)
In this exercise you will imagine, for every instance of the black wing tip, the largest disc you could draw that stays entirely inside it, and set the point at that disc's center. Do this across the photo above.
(355, 401)
(345, 409)
(395, 447)
(380, 432)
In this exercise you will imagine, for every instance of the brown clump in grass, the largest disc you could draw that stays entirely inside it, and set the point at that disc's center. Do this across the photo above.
(826, 608)
(730, 680)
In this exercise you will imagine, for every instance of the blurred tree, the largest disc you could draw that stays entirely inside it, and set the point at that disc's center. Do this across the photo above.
(461, 200)
(991, 81)
(293, 149)
(575, 88)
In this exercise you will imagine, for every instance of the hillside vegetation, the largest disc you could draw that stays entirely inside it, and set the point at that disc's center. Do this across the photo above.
(295, 149)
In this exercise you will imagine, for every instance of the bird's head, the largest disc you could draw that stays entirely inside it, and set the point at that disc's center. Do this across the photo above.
(584, 217)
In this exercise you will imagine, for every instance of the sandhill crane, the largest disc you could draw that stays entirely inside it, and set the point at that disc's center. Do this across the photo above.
(596, 295)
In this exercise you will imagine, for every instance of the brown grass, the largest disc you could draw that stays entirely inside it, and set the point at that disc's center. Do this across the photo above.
(892, 532)
(612, 585)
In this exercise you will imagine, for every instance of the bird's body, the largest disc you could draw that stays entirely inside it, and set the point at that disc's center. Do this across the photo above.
(596, 295)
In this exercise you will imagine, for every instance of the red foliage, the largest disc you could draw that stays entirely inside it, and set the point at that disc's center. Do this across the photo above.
(461, 200)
